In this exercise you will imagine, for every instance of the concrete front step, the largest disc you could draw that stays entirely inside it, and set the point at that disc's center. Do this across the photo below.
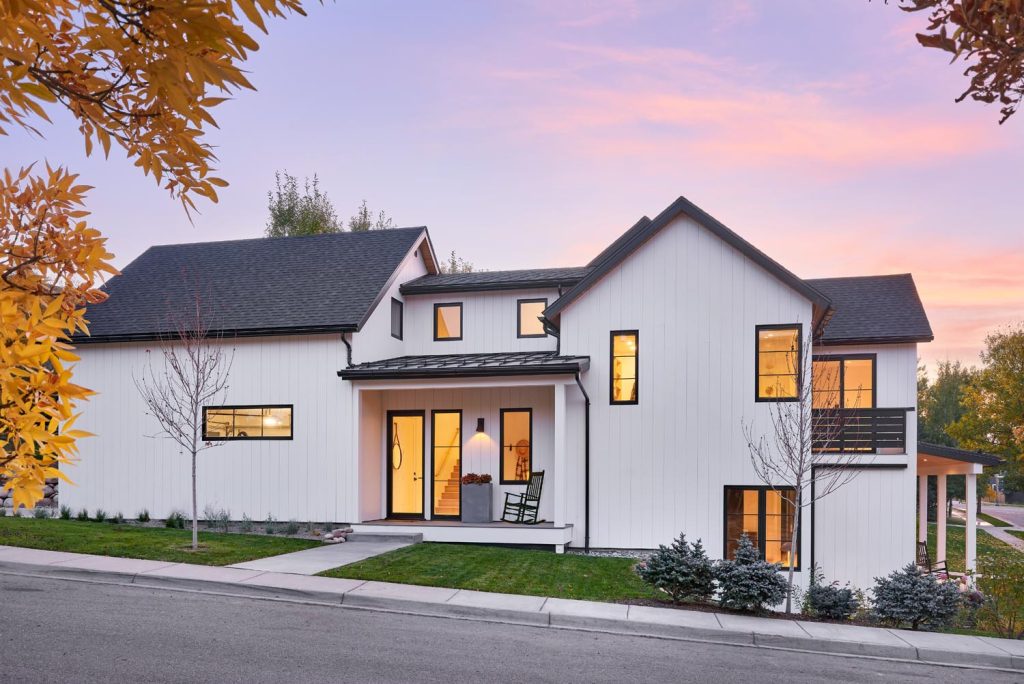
(385, 537)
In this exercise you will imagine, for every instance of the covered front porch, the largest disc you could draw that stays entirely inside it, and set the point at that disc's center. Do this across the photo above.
(944, 462)
(422, 423)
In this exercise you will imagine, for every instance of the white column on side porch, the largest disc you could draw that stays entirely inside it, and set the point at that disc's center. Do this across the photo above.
(922, 508)
(560, 449)
(971, 552)
(940, 527)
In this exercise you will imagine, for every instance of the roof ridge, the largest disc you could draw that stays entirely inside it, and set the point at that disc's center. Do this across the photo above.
(861, 277)
(264, 238)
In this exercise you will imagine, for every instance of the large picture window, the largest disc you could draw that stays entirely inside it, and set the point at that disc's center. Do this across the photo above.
(528, 312)
(843, 381)
(766, 517)
(516, 445)
(625, 358)
(247, 422)
(778, 362)
(448, 321)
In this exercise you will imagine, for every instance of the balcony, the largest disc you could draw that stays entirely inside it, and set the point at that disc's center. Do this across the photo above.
(868, 431)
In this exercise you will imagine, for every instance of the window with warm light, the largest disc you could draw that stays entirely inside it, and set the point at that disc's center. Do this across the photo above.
(528, 318)
(448, 321)
(516, 445)
(778, 362)
(247, 422)
(845, 381)
(766, 516)
(625, 360)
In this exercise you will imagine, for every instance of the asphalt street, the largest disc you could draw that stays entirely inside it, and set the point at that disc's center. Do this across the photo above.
(68, 631)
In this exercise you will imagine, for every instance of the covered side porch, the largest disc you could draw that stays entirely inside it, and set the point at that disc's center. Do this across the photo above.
(943, 462)
(423, 423)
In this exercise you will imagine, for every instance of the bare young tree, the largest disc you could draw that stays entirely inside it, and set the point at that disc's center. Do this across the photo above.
(193, 374)
(803, 457)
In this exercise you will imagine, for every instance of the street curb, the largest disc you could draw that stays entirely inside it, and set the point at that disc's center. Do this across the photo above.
(541, 618)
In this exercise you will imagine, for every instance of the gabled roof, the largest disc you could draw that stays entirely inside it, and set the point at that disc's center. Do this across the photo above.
(874, 309)
(467, 365)
(262, 286)
(645, 229)
(480, 281)
(958, 454)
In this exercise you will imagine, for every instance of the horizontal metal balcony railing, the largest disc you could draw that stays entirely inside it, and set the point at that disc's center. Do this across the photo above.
(868, 431)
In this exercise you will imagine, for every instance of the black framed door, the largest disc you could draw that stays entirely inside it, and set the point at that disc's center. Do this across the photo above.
(406, 441)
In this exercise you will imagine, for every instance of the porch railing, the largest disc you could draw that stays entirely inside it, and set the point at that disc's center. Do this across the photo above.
(870, 431)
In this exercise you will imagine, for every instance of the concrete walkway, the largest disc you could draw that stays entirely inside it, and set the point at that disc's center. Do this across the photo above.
(741, 630)
(320, 558)
(1011, 514)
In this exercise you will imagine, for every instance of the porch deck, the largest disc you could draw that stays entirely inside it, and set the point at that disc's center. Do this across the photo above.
(497, 532)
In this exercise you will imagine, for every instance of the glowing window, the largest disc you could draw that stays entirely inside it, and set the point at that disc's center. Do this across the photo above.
(448, 321)
(778, 362)
(625, 366)
(247, 422)
(528, 323)
(516, 445)
(766, 516)
(843, 381)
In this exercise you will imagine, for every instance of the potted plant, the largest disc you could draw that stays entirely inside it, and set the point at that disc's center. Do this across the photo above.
(476, 498)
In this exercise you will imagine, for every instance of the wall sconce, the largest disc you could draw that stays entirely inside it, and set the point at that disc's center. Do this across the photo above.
(479, 424)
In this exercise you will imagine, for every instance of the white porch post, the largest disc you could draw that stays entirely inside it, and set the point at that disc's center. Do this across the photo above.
(971, 552)
(922, 508)
(940, 531)
(561, 451)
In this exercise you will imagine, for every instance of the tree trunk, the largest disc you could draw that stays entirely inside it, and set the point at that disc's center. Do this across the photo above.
(195, 506)
(793, 550)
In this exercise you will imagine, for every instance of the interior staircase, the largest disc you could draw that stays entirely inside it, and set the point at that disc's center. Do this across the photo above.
(448, 503)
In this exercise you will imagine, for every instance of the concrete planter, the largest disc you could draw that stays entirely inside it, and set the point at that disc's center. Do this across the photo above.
(476, 503)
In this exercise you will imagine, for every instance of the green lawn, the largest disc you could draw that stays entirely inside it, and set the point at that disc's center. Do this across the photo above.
(1016, 533)
(510, 571)
(955, 542)
(993, 521)
(152, 543)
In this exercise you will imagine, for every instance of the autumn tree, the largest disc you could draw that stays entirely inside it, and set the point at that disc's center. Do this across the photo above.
(988, 35)
(364, 220)
(294, 212)
(940, 404)
(144, 75)
(455, 264)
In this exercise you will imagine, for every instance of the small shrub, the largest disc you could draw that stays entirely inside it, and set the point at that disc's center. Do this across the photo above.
(210, 515)
(118, 519)
(143, 516)
(175, 520)
(83, 515)
(1002, 610)
(828, 600)
(100, 516)
(65, 512)
(912, 597)
(224, 519)
(749, 583)
(475, 478)
(291, 528)
(40, 513)
(246, 524)
(268, 526)
(683, 571)
(3, 512)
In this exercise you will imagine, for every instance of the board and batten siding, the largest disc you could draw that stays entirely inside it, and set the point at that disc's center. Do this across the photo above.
(374, 341)
(659, 467)
(124, 470)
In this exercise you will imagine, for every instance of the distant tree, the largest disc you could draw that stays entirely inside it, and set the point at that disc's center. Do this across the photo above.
(364, 220)
(455, 264)
(989, 36)
(292, 212)
(939, 406)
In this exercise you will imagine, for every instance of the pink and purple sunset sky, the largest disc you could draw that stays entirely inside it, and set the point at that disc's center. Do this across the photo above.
(529, 134)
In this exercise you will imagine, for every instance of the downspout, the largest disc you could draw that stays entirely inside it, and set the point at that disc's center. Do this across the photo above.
(348, 346)
(586, 464)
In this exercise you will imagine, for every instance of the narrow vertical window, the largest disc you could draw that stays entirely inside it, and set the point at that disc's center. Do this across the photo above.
(516, 445)
(624, 367)
(778, 362)
(397, 318)
(448, 321)
(528, 314)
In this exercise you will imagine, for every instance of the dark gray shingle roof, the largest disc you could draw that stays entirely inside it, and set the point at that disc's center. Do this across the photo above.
(882, 308)
(320, 283)
(958, 454)
(495, 280)
(462, 365)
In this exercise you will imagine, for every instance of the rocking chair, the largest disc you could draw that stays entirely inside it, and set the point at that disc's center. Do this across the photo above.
(522, 508)
(924, 561)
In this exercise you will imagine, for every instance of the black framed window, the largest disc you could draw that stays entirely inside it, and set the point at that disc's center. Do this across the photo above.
(516, 445)
(777, 362)
(766, 516)
(448, 321)
(843, 381)
(528, 312)
(625, 366)
(226, 423)
(397, 318)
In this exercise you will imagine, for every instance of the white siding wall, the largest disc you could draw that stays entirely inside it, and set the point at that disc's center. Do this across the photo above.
(123, 470)
(659, 467)
(374, 341)
(488, 323)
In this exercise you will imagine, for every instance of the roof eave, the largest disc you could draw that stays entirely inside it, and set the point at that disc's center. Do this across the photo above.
(483, 372)
(487, 287)
(171, 336)
(847, 341)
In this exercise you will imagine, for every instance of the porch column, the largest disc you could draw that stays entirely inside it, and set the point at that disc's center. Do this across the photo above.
(922, 508)
(940, 531)
(971, 552)
(561, 450)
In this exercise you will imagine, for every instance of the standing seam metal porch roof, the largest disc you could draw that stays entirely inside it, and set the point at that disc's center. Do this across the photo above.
(467, 365)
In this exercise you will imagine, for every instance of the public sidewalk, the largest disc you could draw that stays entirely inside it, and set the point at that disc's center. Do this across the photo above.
(526, 610)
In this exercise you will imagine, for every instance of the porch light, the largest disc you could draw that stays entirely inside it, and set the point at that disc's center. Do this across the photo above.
(479, 424)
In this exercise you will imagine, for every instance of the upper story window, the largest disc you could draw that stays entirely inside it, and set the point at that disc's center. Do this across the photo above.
(778, 362)
(766, 516)
(625, 359)
(528, 322)
(448, 321)
(247, 422)
(843, 381)
(397, 318)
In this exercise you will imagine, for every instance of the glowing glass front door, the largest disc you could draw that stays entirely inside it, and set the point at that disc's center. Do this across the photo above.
(405, 464)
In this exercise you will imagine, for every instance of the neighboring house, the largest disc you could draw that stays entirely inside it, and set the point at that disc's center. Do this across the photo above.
(365, 383)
